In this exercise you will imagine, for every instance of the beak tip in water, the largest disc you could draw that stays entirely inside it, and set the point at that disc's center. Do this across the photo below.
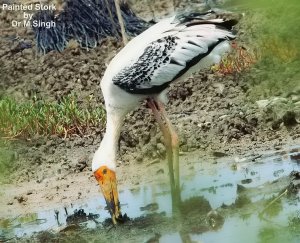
(106, 178)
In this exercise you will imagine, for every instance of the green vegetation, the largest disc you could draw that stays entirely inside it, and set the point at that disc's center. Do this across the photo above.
(38, 117)
(274, 36)
(284, 81)
(6, 156)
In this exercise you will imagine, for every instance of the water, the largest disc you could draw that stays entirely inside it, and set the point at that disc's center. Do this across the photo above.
(217, 183)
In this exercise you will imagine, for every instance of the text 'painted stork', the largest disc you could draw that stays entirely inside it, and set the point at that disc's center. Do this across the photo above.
(168, 51)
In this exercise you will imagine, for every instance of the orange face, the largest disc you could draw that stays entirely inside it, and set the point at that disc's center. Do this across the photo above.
(108, 184)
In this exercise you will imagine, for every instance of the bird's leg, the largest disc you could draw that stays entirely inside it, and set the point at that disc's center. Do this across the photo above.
(167, 138)
(175, 151)
(171, 143)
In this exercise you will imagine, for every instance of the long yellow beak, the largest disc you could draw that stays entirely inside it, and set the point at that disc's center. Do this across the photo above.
(108, 184)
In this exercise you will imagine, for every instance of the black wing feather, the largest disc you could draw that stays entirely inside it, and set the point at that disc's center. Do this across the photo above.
(168, 58)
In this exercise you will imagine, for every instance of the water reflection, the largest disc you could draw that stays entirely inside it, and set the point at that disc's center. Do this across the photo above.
(215, 206)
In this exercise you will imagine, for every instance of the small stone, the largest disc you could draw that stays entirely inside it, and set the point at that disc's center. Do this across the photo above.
(219, 88)
(262, 103)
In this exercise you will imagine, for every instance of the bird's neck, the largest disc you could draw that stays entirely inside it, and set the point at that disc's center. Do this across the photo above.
(106, 154)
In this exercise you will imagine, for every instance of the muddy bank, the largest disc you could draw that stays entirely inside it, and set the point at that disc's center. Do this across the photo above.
(68, 187)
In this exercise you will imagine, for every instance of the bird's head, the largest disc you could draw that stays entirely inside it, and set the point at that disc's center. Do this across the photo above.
(105, 174)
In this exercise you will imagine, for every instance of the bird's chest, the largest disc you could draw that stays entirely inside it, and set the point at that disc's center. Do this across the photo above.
(117, 98)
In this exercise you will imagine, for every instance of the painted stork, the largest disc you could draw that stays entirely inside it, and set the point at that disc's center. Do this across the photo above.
(168, 51)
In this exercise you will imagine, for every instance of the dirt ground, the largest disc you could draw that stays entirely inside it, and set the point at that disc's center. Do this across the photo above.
(209, 110)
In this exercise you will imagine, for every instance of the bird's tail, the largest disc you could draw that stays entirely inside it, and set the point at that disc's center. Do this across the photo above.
(220, 18)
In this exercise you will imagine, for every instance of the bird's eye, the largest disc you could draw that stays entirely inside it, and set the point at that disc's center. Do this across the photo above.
(104, 171)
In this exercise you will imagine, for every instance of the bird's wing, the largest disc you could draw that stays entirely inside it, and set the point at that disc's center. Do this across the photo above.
(170, 56)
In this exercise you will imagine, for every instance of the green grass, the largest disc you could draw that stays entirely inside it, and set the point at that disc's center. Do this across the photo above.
(38, 117)
(282, 80)
(273, 34)
(6, 159)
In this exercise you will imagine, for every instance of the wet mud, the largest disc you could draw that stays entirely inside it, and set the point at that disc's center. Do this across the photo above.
(209, 110)
(216, 204)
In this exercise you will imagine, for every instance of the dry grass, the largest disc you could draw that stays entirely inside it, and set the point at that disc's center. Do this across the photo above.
(237, 61)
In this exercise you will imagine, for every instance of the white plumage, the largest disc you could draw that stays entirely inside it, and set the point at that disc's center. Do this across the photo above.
(191, 41)
(166, 52)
